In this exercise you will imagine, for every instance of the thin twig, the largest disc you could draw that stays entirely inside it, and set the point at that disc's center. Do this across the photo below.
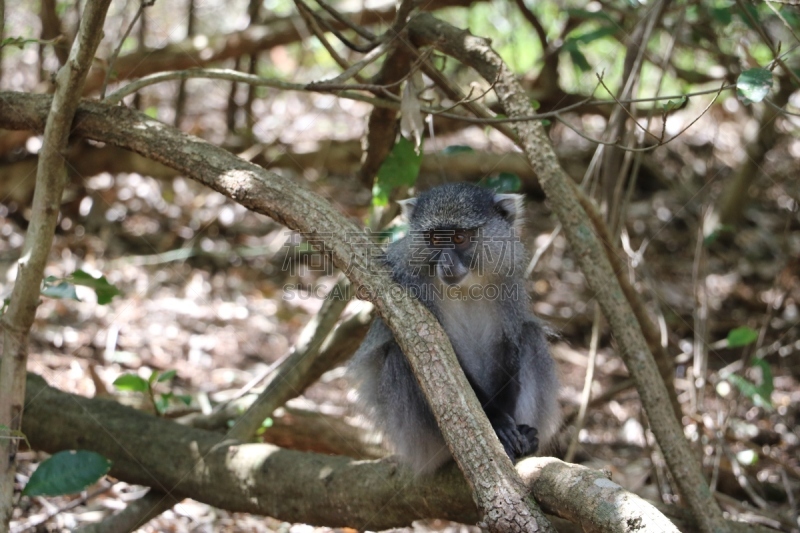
(311, 22)
(259, 81)
(382, 88)
(339, 35)
(647, 148)
(624, 108)
(369, 58)
(588, 380)
(468, 99)
(361, 30)
(113, 59)
(541, 250)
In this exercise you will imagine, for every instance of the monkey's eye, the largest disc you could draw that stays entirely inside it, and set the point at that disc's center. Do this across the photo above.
(459, 237)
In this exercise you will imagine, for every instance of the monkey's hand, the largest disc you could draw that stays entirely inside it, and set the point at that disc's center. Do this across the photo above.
(531, 437)
(517, 440)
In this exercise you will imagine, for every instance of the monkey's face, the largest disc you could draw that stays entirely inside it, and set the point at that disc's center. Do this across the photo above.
(461, 234)
(444, 254)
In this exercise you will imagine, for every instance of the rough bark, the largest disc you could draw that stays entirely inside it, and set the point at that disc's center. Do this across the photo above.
(477, 53)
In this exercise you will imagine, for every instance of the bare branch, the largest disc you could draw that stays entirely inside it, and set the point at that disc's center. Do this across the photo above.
(144, 4)
(361, 30)
(50, 179)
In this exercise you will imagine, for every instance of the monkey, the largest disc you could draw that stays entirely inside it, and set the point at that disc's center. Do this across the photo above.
(462, 258)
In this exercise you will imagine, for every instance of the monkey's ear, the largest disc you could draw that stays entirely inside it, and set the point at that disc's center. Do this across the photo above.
(408, 206)
(510, 207)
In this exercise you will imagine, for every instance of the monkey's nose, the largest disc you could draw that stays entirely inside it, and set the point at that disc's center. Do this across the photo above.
(450, 269)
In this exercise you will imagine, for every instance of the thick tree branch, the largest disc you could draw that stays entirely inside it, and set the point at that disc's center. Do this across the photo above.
(287, 485)
(307, 487)
(477, 53)
(254, 478)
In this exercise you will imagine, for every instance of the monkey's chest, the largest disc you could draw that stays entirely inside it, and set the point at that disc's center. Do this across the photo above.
(476, 333)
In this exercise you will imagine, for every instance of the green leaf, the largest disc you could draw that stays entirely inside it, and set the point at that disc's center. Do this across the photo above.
(265, 425)
(105, 291)
(723, 15)
(746, 387)
(504, 182)
(166, 376)
(456, 149)
(767, 383)
(589, 15)
(674, 105)
(754, 85)
(579, 60)
(62, 291)
(162, 402)
(185, 398)
(19, 42)
(67, 472)
(131, 382)
(593, 35)
(759, 394)
(400, 168)
(741, 337)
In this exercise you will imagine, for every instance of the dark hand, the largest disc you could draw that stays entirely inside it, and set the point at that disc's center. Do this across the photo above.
(518, 441)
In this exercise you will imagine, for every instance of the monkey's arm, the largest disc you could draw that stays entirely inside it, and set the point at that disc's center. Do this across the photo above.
(537, 405)
(387, 387)
(518, 440)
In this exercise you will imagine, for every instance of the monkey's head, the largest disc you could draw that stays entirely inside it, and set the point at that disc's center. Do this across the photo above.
(460, 229)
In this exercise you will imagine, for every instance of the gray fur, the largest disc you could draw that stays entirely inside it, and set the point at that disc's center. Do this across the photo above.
(496, 339)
